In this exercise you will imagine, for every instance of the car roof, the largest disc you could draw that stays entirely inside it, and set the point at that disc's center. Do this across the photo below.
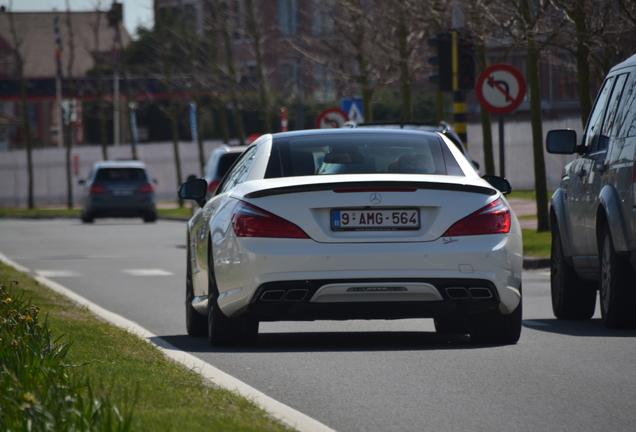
(629, 62)
(230, 148)
(119, 164)
(348, 131)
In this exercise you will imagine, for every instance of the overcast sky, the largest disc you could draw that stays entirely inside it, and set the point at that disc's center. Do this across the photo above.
(136, 12)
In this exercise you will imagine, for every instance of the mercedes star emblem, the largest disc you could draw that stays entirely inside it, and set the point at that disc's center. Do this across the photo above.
(375, 198)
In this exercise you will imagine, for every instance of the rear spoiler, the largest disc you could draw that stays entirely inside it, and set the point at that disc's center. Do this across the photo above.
(368, 186)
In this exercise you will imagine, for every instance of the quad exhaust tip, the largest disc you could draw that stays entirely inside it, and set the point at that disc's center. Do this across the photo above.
(461, 293)
(292, 295)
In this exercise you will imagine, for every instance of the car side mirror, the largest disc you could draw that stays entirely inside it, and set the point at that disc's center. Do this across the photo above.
(194, 190)
(561, 141)
(499, 183)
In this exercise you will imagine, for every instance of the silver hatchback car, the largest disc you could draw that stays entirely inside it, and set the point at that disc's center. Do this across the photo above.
(118, 189)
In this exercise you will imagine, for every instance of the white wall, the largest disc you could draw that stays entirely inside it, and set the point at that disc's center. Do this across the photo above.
(49, 166)
(50, 177)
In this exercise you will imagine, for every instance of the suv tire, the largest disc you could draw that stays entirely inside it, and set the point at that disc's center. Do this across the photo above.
(572, 297)
(617, 301)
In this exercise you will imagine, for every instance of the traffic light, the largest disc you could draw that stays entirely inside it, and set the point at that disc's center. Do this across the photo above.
(443, 61)
(115, 14)
(465, 62)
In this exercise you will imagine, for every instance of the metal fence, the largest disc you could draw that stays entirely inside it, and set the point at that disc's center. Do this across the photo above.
(49, 165)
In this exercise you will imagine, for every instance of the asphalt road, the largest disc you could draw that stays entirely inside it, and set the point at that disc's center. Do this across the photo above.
(355, 375)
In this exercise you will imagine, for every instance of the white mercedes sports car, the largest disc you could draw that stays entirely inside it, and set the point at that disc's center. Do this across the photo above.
(353, 224)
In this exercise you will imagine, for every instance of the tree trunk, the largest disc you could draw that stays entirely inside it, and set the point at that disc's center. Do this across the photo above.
(260, 67)
(583, 62)
(405, 76)
(68, 136)
(540, 182)
(24, 110)
(486, 120)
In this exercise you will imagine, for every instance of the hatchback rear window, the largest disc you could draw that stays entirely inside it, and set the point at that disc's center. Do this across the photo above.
(121, 174)
(360, 154)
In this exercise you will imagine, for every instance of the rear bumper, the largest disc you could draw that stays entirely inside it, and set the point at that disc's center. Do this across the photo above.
(121, 207)
(351, 272)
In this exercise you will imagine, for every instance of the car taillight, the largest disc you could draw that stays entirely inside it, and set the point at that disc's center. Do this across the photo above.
(213, 185)
(147, 188)
(493, 219)
(251, 221)
(98, 189)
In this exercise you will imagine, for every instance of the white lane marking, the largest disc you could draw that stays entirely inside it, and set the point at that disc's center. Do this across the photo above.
(532, 323)
(148, 272)
(57, 273)
(13, 264)
(278, 410)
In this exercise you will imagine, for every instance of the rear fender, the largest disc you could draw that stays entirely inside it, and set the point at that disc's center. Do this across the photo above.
(610, 212)
(558, 214)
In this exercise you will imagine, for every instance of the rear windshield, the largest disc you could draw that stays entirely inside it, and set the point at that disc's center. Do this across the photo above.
(121, 174)
(360, 154)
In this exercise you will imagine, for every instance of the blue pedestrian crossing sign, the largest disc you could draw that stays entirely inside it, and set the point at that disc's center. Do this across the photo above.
(354, 109)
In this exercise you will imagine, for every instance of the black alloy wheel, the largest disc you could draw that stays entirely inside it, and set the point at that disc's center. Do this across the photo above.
(616, 278)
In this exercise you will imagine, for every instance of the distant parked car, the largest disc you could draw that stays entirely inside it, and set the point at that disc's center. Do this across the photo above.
(118, 189)
(219, 163)
(593, 213)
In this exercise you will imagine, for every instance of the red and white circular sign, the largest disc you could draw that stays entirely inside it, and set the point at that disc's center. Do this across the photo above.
(500, 89)
(331, 118)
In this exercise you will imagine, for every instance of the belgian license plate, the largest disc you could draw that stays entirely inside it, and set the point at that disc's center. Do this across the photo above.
(123, 192)
(375, 220)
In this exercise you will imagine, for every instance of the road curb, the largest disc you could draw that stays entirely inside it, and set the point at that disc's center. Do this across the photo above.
(283, 413)
(533, 263)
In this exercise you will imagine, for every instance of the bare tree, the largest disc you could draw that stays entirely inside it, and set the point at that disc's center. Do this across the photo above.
(531, 24)
(346, 43)
(590, 20)
(27, 139)
(406, 25)
(100, 92)
(71, 95)
(255, 34)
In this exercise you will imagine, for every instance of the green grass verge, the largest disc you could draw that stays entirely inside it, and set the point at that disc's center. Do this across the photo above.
(121, 365)
(536, 244)
(50, 213)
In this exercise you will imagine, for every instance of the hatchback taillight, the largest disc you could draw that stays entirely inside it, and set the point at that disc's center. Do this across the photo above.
(251, 221)
(147, 188)
(97, 189)
(495, 218)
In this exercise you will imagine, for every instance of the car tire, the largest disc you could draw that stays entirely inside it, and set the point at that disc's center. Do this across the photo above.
(196, 324)
(87, 217)
(224, 331)
(494, 328)
(150, 217)
(572, 297)
(616, 300)
(456, 325)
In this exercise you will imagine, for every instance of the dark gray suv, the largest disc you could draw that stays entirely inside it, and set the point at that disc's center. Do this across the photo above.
(593, 213)
(119, 189)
